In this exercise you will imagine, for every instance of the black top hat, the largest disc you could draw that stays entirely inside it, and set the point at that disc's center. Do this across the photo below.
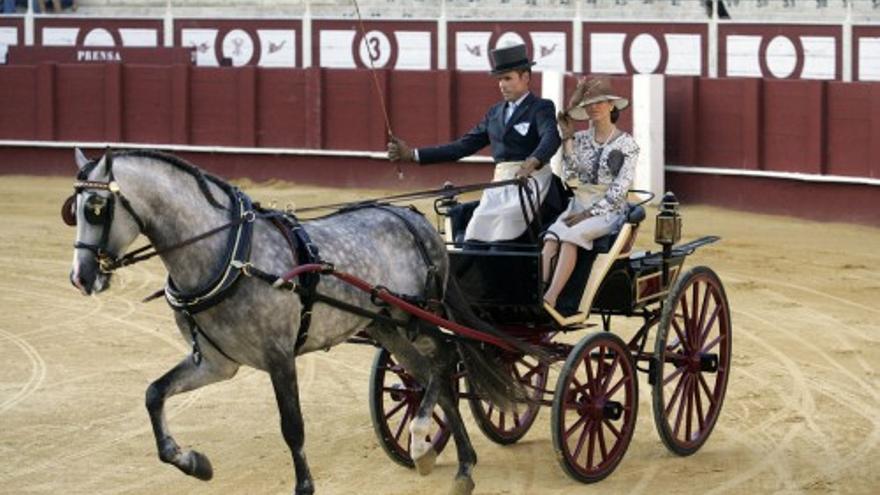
(509, 58)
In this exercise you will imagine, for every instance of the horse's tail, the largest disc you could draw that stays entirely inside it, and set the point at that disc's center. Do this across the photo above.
(486, 369)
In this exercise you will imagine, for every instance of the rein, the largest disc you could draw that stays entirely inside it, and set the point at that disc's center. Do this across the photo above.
(445, 191)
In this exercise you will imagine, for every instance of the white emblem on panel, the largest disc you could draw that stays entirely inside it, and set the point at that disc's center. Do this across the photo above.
(413, 50)
(471, 50)
(238, 46)
(277, 47)
(820, 57)
(336, 48)
(98, 37)
(549, 50)
(685, 54)
(8, 37)
(203, 41)
(56, 36)
(869, 59)
(644, 54)
(781, 57)
(139, 37)
(374, 49)
(606, 53)
(742, 56)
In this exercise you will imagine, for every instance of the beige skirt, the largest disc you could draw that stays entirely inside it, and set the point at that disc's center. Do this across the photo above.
(586, 231)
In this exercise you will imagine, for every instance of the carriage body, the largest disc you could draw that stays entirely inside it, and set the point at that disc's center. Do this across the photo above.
(595, 400)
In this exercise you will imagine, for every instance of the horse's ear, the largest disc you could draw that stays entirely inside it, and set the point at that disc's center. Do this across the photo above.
(80, 157)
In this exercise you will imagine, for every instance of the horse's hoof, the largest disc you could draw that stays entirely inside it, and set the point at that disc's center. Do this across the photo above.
(425, 464)
(462, 486)
(197, 465)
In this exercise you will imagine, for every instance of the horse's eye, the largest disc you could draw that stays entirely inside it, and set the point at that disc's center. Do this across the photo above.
(95, 209)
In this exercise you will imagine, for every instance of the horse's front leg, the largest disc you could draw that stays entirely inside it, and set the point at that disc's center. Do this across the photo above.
(186, 376)
(283, 373)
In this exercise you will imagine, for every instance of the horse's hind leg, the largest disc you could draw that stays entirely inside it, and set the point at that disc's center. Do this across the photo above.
(467, 457)
(420, 448)
(184, 377)
(283, 373)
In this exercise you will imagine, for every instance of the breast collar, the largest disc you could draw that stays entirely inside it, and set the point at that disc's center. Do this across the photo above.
(227, 271)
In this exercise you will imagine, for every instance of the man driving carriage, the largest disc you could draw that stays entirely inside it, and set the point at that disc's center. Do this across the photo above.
(522, 132)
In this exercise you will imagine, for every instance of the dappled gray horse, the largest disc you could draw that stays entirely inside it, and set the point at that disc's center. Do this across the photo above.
(231, 319)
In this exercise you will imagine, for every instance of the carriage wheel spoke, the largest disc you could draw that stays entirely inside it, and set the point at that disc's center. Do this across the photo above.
(591, 447)
(596, 383)
(713, 343)
(394, 409)
(590, 380)
(606, 380)
(703, 308)
(682, 403)
(680, 333)
(577, 423)
(603, 449)
(501, 419)
(675, 395)
(708, 328)
(705, 386)
(685, 313)
(616, 387)
(402, 425)
(581, 440)
(695, 298)
(690, 410)
(611, 428)
(698, 401)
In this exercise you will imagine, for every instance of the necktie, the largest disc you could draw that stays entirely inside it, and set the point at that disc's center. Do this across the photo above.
(508, 112)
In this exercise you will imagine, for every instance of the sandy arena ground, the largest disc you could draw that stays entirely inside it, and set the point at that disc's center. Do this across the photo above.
(802, 413)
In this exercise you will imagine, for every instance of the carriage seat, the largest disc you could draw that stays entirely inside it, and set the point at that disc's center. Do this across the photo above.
(634, 216)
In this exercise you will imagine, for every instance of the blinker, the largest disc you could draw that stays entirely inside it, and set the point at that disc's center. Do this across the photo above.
(96, 209)
(68, 211)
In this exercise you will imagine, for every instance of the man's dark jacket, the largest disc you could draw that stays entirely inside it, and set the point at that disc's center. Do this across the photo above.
(531, 131)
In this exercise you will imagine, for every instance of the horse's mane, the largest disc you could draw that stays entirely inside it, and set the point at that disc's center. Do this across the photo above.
(198, 174)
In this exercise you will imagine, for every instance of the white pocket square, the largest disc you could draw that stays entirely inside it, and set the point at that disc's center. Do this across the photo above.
(522, 128)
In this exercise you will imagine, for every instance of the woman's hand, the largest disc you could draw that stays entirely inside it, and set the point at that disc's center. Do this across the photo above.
(576, 218)
(566, 125)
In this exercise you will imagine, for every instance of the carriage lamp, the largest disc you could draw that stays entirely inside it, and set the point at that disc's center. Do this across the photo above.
(667, 230)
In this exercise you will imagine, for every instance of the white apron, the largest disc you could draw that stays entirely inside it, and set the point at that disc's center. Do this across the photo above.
(499, 217)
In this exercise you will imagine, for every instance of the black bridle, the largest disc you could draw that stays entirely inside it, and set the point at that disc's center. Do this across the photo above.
(100, 211)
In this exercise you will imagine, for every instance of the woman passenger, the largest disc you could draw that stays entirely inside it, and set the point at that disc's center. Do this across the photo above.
(603, 160)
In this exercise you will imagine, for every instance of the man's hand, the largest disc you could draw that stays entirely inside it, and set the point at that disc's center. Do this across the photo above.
(531, 164)
(576, 218)
(398, 150)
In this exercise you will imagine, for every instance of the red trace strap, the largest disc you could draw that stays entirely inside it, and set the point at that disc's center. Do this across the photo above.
(401, 304)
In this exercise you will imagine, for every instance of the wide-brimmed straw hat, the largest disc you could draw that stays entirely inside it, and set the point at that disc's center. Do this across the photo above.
(509, 58)
(597, 89)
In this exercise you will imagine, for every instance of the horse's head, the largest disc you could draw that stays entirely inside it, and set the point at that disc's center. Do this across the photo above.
(105, 223)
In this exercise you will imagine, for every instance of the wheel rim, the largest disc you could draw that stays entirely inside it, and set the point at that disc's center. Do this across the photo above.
(504, 426)
(695, 364)
(397, 402)
(599, 408)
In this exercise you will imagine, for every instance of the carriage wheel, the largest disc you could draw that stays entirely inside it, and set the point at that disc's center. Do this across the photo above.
(595, 407)
(394, 398)
(691, 361)
(505, 428)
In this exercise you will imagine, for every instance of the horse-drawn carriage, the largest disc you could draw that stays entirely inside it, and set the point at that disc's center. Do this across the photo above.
(220, 250)
(594, 403)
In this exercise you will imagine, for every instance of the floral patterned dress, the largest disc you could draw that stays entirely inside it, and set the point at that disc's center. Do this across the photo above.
(605, 174)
